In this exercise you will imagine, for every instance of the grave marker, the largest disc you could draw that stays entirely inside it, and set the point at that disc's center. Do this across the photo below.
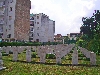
(1, 61)
(75, 57)
(15, 53)
(28, 55)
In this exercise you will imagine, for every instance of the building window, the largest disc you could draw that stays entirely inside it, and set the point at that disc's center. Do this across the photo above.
(38, 34)
(9, 27)
(37, 22)
(11, 1)
(32, 18)
(9, 36)
(31, 24)
(10, 17)
(10, 8)
(32, 35)
(37, 28)
(37, 17)
(31, 29)
(37, 40)
(3, 2)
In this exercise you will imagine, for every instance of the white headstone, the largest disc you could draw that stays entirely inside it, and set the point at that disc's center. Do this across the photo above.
(42, 54)
(85, 52)
(1, 61)
(58, 57)
(42, 57)
(15, 53)
(92, 58)
(28, 55)
(7, 50)
(20, 49)
(75, 57)
(4, 48)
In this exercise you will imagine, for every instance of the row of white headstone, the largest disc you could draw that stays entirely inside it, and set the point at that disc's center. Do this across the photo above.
(89, 54)
(58, 50)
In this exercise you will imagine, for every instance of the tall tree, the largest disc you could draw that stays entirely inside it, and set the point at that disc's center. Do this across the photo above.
(91, 25)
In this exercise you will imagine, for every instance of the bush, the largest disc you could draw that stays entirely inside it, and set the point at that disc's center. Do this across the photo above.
(34, 55)
(50, 56)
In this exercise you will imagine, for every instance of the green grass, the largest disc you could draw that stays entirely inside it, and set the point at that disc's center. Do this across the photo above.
(49, 68)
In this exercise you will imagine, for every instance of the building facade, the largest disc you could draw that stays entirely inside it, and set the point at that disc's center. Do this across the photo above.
(58, 38)
(73, 36)
(16, 18)
(42, 29)
(2, 9)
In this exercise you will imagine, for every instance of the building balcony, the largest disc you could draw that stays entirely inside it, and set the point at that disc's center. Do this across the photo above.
(2, 4)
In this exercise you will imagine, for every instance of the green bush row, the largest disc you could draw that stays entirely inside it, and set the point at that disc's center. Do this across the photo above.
(27, 43)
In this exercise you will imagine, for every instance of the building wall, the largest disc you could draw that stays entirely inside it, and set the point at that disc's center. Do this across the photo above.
(22, 19)
(9, 18)
(2, 9)
(11, 14)
(51, 31)
(16, 19)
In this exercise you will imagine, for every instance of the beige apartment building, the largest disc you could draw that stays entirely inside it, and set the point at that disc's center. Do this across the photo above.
(15, 19)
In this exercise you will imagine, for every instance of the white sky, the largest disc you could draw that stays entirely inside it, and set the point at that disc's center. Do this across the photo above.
(67, 14)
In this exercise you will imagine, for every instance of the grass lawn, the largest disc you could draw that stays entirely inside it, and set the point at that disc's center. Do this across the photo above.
(49, 68)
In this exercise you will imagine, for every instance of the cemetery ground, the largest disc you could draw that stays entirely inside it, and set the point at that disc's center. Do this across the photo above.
(21, 67)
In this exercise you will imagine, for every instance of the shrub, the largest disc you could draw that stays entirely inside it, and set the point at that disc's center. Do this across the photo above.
(34, 55)
(50, 56)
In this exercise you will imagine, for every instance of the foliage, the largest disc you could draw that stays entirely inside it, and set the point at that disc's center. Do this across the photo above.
(91, 33)
(91, 24)
(50, 56)
(66, 40)
(90, 44)
(34, 55)
(27, 43)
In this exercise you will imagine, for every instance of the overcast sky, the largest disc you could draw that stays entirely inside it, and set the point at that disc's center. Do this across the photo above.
(67, 14)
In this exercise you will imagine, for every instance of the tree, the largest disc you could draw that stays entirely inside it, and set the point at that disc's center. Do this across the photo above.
(90, 25)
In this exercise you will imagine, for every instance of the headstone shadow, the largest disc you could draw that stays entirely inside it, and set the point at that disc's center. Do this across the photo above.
(33, 62)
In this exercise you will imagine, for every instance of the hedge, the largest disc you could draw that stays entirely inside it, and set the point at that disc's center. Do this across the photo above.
(27, 43)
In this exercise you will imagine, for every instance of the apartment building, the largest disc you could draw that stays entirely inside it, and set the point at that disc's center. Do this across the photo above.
(15, 19)
(42, 29)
